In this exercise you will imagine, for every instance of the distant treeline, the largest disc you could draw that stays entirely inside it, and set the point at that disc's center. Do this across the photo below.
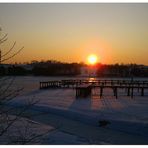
(45, 68)
(122, 70)
(55, 68)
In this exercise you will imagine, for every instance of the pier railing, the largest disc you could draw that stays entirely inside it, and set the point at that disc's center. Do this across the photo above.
(83, 87)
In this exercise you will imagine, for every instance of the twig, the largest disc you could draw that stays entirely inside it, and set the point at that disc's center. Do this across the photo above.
(12, 55)
(9, 50)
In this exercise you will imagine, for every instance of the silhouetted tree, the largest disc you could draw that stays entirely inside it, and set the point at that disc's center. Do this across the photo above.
(10, 114)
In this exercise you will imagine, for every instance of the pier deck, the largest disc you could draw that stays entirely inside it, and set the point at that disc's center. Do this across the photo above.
(84, 87)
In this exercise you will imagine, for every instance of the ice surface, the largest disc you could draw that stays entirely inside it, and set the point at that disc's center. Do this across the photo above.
(125, 114)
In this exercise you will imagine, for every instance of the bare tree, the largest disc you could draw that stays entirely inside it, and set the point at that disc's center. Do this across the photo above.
(9, 114)
(7, 55)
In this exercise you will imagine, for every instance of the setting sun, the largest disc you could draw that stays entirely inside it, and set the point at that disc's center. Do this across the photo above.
(92, 59)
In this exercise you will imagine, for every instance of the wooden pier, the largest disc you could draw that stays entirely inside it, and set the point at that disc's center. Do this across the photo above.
(83, 90)
(84, 87)
(129, 90)
(50, 84)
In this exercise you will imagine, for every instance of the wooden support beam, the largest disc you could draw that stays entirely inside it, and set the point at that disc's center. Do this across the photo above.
(142, 91)
(115, 92)
(132, 93)
(101, 91)
(128, 91)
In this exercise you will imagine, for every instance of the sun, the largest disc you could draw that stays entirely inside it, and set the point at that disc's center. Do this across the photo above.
(92, 59)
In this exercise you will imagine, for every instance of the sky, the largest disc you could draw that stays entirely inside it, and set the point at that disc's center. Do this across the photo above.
(116, 33)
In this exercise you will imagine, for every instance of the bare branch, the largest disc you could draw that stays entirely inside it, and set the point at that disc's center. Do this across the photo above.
(3, 39)
(9, 50)
(8, 86)
(7, 94)
(20, 114)
(3, 81)
(10, 96)
(12, 55)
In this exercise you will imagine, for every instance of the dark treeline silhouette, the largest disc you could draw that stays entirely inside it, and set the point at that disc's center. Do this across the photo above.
(12, 70)
(45, 68)
(122, 70)
(56, 68)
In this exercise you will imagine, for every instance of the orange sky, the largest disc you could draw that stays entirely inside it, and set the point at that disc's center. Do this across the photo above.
(116, 33)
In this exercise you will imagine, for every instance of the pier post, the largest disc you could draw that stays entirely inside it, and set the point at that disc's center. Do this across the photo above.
(132, 89)
(138, 87)
(128, 91)
(40, 85)
(115, 92)
(142, 91)
(77, 93)
(101, 91)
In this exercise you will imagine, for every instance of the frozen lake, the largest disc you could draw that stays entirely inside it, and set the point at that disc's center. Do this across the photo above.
(123, 108)
(32, 82)
(125, 114)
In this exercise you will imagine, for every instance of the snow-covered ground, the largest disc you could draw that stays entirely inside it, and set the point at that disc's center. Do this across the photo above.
(77, 120)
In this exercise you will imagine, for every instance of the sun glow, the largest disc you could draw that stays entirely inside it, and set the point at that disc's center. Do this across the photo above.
(92, 59)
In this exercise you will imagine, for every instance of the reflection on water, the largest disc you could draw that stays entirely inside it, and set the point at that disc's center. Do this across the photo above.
(92, 79)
